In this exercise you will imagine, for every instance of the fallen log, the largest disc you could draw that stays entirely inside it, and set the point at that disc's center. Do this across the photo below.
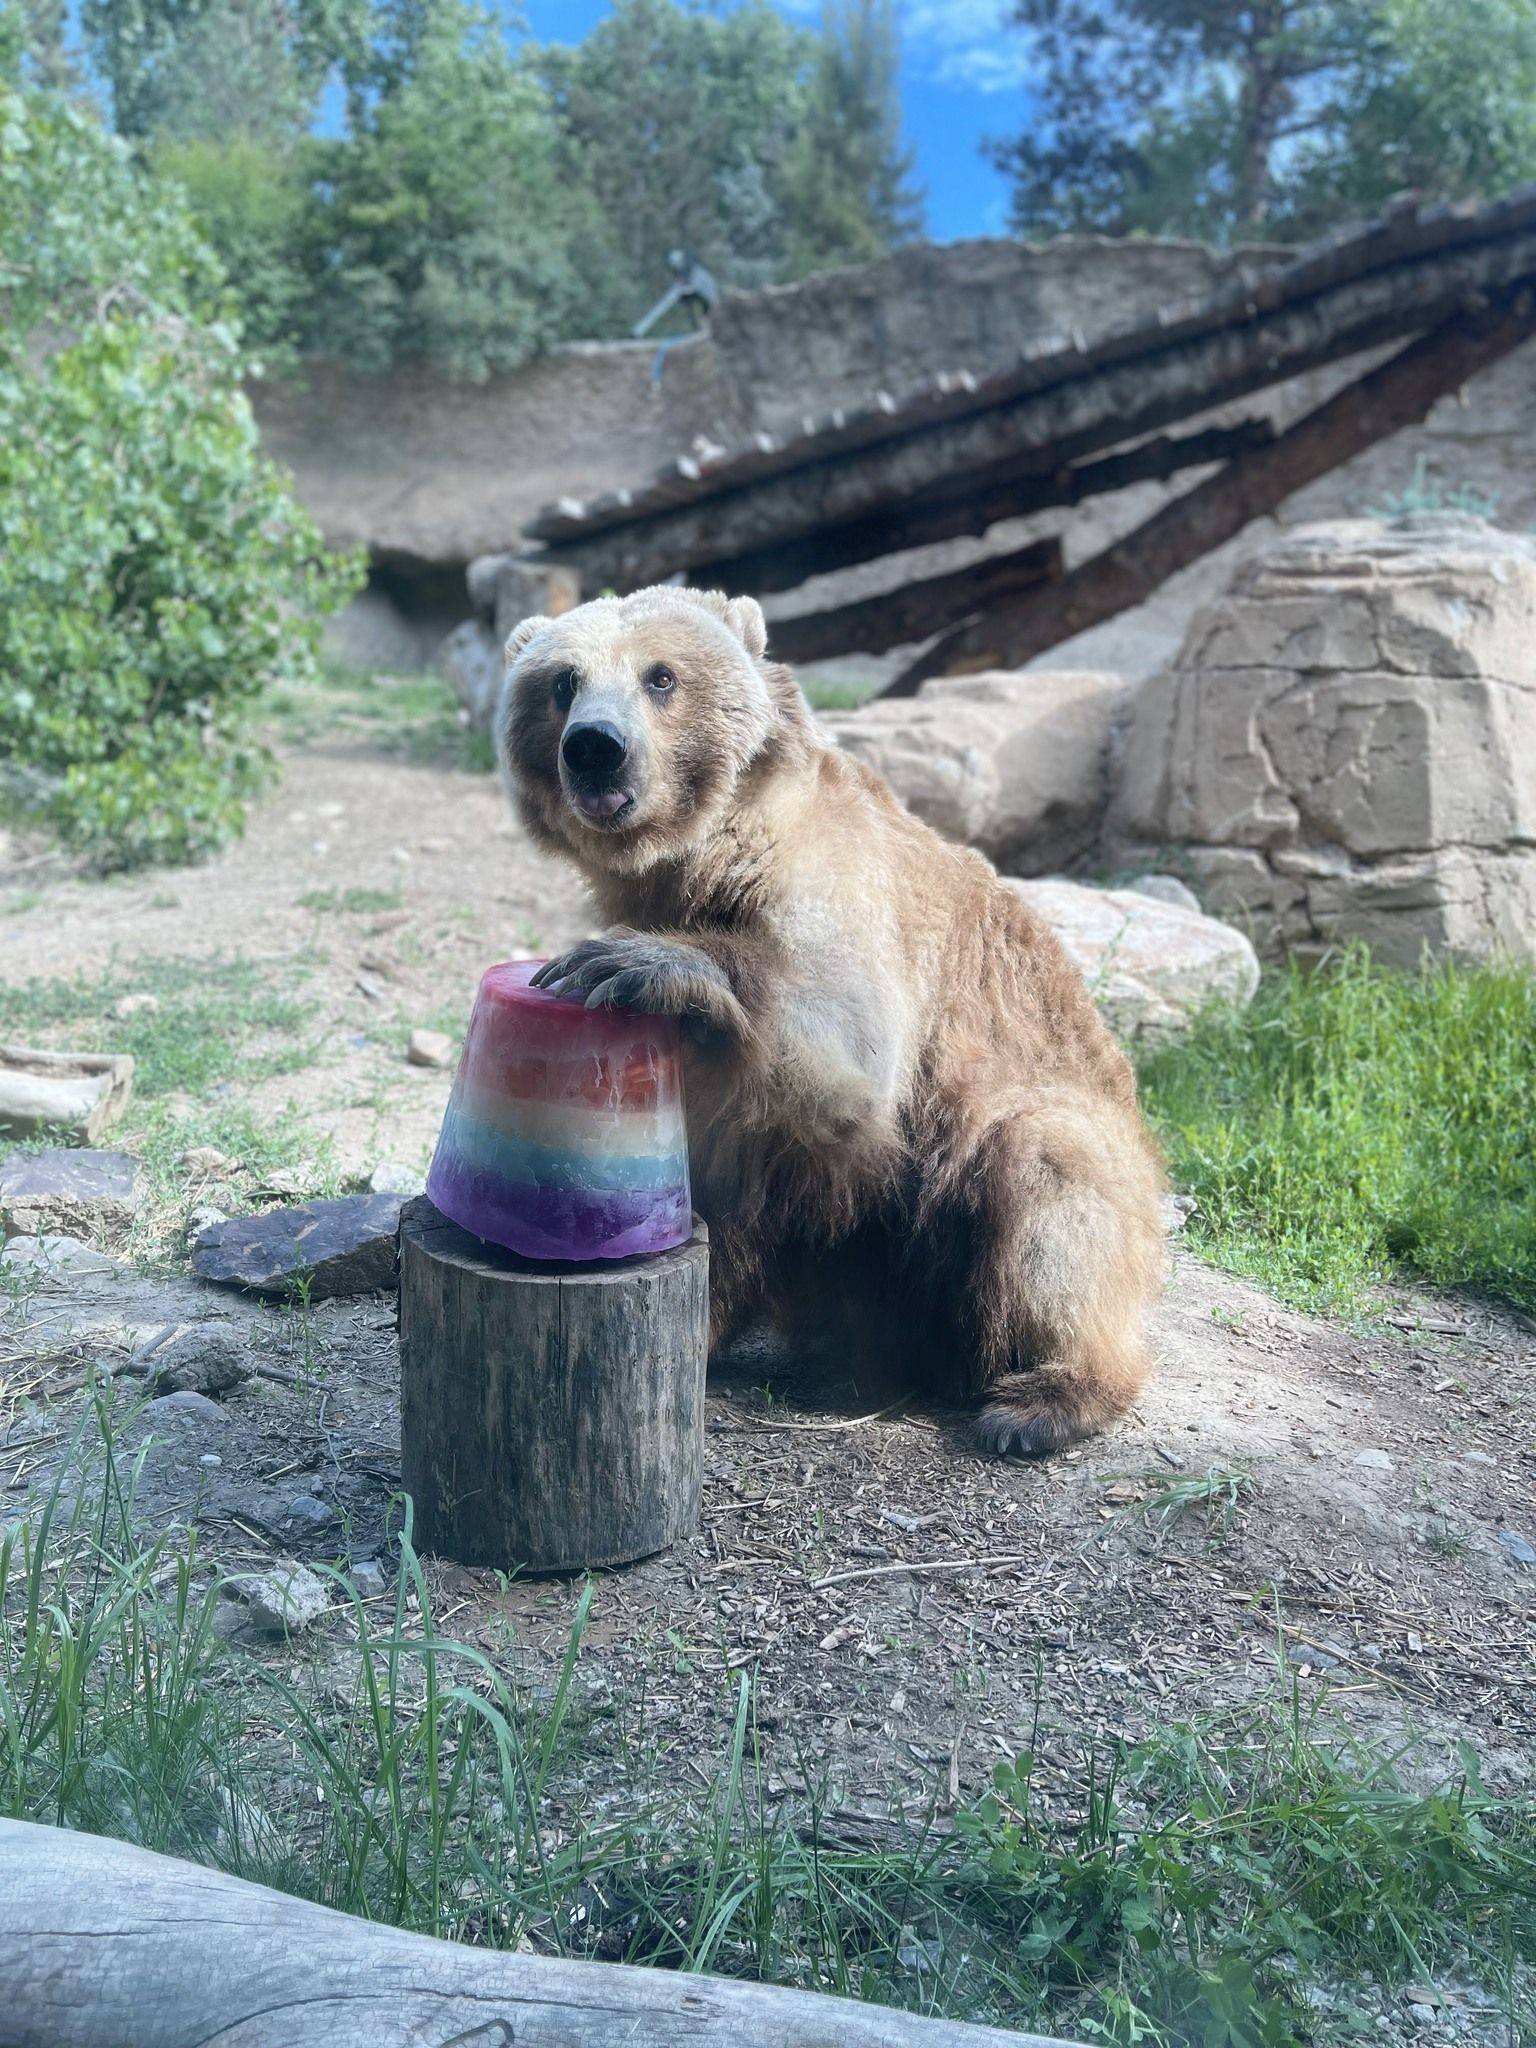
(977, 501)
(103, 1945)
(912, 610)
(74, 1094)
(1397, 394)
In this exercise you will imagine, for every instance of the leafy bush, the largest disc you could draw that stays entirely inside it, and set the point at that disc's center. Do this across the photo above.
(155, 576)
(1355, 1123)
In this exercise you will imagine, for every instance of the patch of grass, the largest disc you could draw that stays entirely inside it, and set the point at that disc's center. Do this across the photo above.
(830, 693)
(416, 717)
(352, 902)
(216, 1020)
(1358, 1125)
(1188, 1888)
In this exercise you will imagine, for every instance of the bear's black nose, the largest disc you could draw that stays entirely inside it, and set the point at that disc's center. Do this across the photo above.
(594, 748)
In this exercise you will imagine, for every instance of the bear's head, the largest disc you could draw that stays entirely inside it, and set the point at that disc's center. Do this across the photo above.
(626, 725)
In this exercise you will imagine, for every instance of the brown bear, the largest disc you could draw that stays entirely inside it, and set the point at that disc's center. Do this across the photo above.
(903, 1108)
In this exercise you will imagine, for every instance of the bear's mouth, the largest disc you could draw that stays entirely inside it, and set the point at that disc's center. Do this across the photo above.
(602, 806)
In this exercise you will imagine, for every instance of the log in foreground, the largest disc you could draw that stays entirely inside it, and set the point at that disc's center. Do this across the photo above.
(76, 1094)
(551, 1417)
(1398, 394)
(103, 1945)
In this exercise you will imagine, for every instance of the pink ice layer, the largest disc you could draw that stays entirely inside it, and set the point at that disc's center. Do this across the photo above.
(564, 1137)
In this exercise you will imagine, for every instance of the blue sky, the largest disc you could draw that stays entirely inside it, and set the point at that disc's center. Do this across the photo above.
(962, 79)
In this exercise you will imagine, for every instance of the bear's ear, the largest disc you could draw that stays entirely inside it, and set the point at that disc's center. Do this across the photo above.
(744, 616)
(521, 634)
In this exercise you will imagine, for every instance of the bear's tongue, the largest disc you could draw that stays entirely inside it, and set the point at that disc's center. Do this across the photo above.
(601, 803)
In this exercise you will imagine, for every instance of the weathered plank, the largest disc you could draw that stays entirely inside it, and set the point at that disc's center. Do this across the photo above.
(1410, 251)
(977, 503)
(1395, 395)
(103, 1945)
(912, 611)
(551, 1417)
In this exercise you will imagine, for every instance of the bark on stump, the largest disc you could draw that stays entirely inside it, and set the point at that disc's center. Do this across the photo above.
(551, 1417)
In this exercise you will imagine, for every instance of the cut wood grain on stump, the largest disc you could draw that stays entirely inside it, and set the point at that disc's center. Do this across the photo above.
(551, 1417)
(103, 1945)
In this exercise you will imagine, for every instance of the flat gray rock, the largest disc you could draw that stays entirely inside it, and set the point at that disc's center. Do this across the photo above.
(183, 1406)
(68, 1188)
(282, 1601)
(346, 1246)
(56, 1258)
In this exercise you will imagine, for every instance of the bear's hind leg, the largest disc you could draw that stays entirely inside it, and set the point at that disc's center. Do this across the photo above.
(1066, 1261)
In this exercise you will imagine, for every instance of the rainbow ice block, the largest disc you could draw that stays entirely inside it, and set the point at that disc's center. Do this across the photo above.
(564, 1136)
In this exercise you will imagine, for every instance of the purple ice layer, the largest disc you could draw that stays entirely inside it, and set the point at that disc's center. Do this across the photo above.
(544, 1223)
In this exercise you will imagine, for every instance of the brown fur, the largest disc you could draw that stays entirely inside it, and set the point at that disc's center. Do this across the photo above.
(901, 1099)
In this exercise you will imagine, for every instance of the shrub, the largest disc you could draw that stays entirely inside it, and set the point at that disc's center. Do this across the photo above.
(155, 575)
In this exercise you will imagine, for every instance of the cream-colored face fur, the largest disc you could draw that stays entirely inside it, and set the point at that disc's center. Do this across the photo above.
(626, 724)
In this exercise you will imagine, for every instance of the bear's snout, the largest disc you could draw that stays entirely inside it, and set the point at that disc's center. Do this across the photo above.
(594, 748)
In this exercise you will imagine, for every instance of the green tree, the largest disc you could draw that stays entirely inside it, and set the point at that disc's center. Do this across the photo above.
(1268, 119)
(221, 68)
(155, 575)
(848, 181)
(679, 124)
(444, 227)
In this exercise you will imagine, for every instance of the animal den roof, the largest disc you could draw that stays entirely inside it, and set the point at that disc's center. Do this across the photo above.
(1075, 416)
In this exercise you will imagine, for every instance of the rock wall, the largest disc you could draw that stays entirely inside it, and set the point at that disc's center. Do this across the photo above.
(428, 474)
(1345, 745)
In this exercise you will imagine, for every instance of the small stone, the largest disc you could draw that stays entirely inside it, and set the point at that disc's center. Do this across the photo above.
(212, 1460)
(1516, 1548)
(431, 1049)
(345, 1246)
(55, 1257)
(208, 1358)
(314, 1513)
(382, 964)
(1373, 1461)
(368, 1577)
(1311, 1658)
(390, 1178)
(282, 1601)
(135, 1006)
(201, 1217)
(1167, 889)
(1479, 1458)
(69, 1189)
(203, 1161)
(1177, 1210)
(184, 1406)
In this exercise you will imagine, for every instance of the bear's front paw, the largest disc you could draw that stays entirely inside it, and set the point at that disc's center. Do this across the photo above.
(627, 971)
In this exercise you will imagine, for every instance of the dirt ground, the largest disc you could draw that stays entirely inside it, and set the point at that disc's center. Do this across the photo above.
(1291, 1496)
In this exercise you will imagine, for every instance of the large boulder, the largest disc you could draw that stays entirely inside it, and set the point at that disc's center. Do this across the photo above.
(1346, 745)
(1016, 765)
(1151, 966)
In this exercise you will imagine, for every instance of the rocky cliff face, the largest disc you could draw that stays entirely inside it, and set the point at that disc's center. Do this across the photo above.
(428, 474)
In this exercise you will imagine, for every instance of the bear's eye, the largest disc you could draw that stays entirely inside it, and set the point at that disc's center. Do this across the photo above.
(564, 688)
(660, 680)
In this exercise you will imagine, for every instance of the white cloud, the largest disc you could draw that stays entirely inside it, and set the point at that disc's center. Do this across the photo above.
(966, 43)
(970, 43)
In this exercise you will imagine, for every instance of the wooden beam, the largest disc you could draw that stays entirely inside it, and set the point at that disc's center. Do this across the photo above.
(1396, 395)
(1098, 408)
(913, 610)
(972, 505)
(103, 1945)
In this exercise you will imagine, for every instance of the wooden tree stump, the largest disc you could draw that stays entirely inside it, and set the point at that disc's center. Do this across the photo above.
(551, 1417)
